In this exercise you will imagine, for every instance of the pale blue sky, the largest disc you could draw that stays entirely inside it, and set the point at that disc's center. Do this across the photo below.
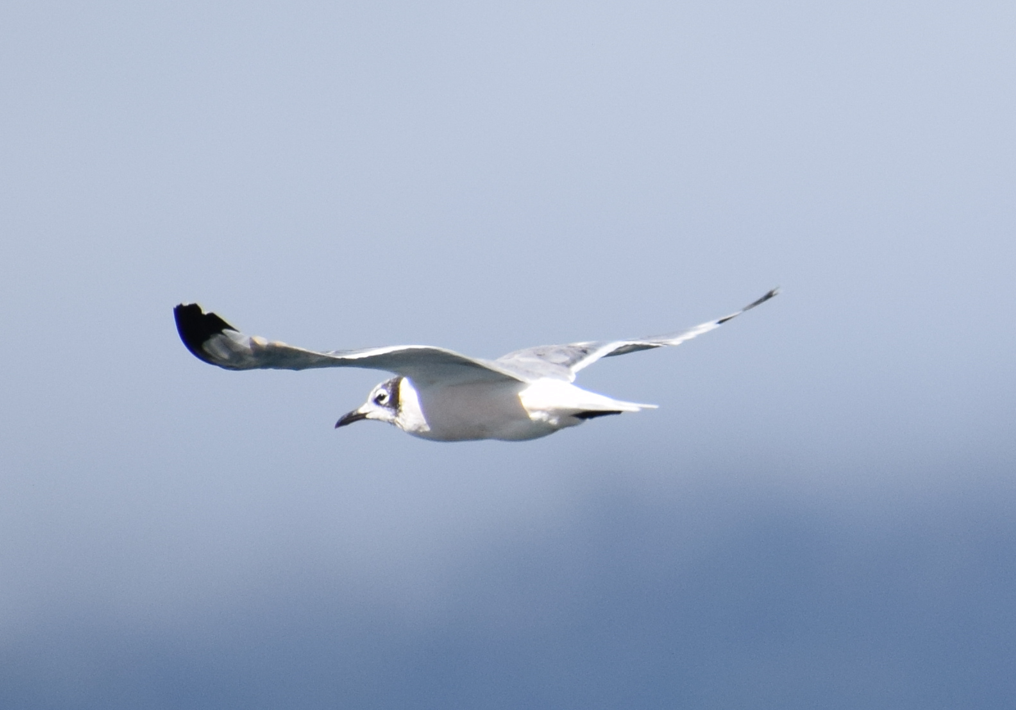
(820, 512)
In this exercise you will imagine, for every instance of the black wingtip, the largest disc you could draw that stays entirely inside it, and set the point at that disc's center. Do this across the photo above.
(595, 413)
(751, 305)
(196, 327)
(762, 300)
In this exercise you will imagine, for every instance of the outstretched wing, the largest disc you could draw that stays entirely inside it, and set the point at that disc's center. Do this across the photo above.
(563, 361)
(215, 341)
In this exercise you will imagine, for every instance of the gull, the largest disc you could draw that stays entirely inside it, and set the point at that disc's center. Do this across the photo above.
(441, 395)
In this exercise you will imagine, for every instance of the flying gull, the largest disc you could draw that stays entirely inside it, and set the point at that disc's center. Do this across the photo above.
(441, 395)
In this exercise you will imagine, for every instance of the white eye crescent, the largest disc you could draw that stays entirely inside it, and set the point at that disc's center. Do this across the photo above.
(381, 397)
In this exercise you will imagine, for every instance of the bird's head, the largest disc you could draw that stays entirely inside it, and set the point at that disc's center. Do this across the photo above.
(393, 401)
(382, 405)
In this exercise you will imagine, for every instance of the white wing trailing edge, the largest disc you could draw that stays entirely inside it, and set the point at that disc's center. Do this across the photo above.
(563, 361)
(215, 341)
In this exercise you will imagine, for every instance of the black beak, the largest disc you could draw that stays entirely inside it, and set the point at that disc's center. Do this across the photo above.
(353, 416)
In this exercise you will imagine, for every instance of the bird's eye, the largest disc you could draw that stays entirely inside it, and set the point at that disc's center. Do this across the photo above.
(381, 397)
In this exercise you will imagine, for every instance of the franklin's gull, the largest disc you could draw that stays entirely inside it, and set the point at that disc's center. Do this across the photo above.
(438, 394)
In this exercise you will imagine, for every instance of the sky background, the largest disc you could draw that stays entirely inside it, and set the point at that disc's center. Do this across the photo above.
(821, 512)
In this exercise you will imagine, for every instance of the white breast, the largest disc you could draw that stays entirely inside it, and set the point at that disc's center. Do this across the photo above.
(465, 412)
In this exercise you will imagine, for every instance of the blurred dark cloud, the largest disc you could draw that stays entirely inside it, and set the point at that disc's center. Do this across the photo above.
(700, 593)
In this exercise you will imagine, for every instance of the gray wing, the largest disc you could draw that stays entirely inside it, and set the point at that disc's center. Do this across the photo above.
(563, 361)
(215, 341)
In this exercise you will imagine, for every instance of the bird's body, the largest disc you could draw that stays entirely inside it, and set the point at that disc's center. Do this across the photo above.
(508, 411)
(439, 394)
